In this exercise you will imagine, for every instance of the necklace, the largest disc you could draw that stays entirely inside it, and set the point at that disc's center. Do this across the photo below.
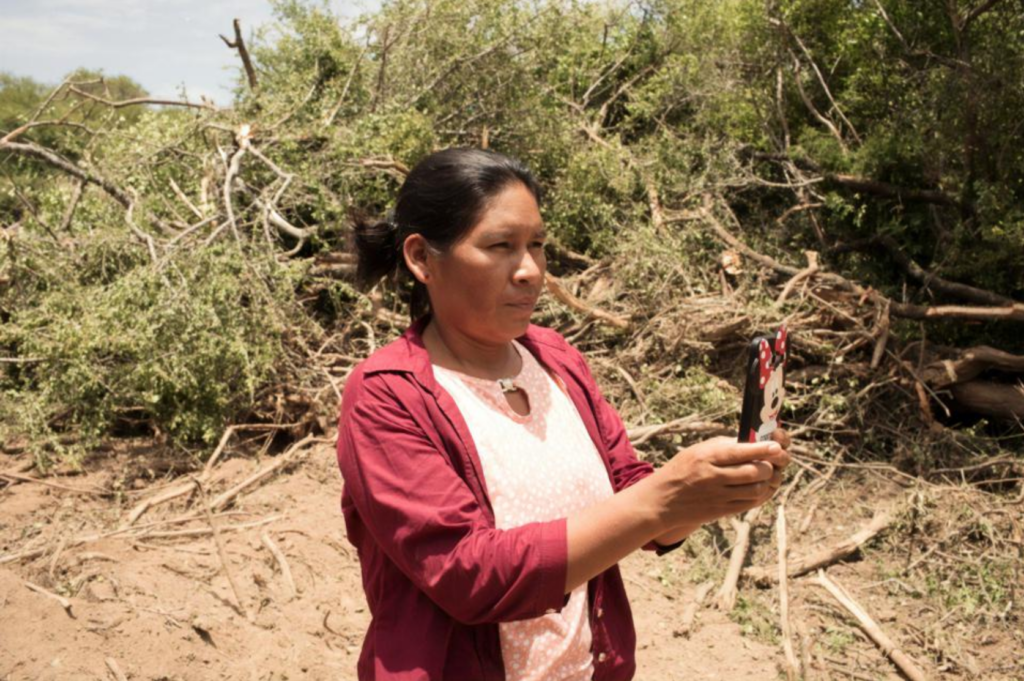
(507, 384)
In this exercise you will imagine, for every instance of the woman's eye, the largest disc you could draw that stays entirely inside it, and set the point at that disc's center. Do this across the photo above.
(538, 244)
(503, 244)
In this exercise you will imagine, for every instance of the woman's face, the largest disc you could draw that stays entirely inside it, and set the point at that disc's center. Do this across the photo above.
(487, 284)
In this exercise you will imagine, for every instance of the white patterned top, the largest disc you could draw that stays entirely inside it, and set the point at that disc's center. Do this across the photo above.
(537, 468)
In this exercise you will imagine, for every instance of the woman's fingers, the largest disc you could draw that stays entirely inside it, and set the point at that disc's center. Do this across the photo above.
(726, 452)
(782, 437)
(747, 473)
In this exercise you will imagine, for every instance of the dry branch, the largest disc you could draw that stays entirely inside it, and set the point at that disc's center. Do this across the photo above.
(765, 576)
(57, 161)
(688, 424)
(242, 607)
(563, 295)
(690, 611)
(803, 275)
(1013, 312)
(137, 101)
(286, 571)
(115, 669)
(239, 44)
(971, 364)
(64, 603)
(726, 597)
(280, 462)
(868, 625)
(792, 665)
(54, 485)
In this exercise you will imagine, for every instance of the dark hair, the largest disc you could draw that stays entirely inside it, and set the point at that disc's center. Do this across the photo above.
(442, 198)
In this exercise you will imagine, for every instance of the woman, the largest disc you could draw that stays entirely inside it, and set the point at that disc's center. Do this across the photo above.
(489, 488)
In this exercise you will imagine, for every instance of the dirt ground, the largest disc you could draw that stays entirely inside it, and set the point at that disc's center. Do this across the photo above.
(159, 606)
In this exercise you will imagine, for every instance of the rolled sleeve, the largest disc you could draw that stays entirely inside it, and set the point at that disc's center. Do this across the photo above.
(427, 520)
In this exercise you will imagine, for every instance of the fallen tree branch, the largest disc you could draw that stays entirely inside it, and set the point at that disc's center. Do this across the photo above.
(868, 625)
(137, 101)
(792, 665)
(64, 603)
(239, 44)
(282, 562)
(726, 597)
(57, 161)
(8, 475)
(971, 364)
(1013, 312)
(561, 294)
(242, 607)
(689, 615)
(927, 279)
(688, 424)
(280, 462)
(804, 274)
(763, 576)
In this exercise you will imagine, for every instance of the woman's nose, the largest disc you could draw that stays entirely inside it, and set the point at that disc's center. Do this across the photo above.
(530, 269)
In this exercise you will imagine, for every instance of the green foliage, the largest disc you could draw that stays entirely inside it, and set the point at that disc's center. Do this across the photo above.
(616, 106)
(186, 346)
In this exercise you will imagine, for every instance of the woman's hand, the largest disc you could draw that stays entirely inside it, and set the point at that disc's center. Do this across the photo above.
(720, 477)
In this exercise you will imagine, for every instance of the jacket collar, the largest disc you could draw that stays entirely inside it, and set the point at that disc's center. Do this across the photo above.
(408, 354)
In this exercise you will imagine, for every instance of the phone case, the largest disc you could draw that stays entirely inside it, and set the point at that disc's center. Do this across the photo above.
(765, 389)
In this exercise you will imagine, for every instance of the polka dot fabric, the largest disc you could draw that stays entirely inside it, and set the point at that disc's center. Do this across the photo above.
(538, 467)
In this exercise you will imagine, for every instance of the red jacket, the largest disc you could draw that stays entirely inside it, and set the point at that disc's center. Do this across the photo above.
(438, 575)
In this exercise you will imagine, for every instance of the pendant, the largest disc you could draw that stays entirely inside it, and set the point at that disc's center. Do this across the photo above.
(507, 386)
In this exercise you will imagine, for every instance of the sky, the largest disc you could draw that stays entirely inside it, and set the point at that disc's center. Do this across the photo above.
(163, 45)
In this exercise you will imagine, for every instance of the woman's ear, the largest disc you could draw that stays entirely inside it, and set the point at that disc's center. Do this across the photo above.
(415, 251)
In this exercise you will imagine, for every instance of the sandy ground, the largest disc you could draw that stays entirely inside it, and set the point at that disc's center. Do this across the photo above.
(161, 608)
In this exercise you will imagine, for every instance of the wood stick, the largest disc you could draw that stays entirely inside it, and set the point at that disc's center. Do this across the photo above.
(286, 572)
(792, 665)
(161, 498)
(802, 275)
(64, 603)
(280, 462)
(115, 670)
(561, 294)
(824, 557)
(690, 611)
(239, 44)
(726, 597)
(223, 558)
(868, 625)
(641, 434)
(53, 485)
(203, 531)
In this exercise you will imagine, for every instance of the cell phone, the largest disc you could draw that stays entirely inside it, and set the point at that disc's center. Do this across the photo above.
(765, 388)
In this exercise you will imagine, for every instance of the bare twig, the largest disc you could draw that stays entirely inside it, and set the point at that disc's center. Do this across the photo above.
(115, 669)
(55, 485)
(280, 462)
(792, 665)
(689, 616)
(826, 556)
(137, 101)
(868, 625)
(242, 607)
(239, 44)
(64, 603)
(803, 275)
(286, 572)
(561, 294)
(57, 161)
(726, 597)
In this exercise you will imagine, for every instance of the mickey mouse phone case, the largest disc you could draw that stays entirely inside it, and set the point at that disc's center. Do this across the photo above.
(765, 389)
